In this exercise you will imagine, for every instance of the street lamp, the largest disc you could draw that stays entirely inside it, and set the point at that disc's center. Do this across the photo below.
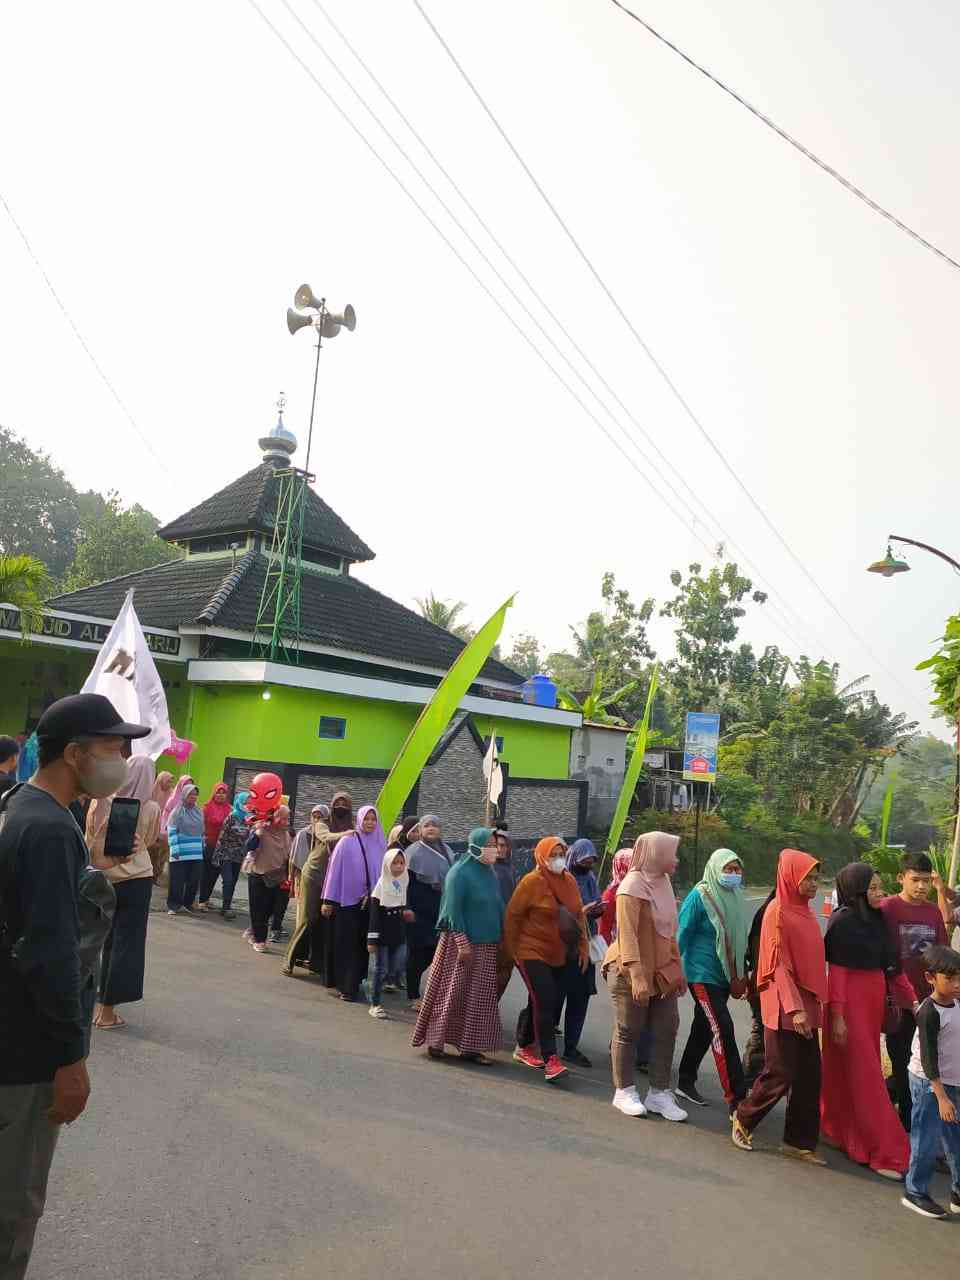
(887, 568)
(890, 565)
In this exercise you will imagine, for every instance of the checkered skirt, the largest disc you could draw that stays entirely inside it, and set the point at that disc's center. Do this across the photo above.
(459, 1007)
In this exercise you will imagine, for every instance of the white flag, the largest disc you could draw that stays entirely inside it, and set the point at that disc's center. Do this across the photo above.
(126, 673)
(492, 771)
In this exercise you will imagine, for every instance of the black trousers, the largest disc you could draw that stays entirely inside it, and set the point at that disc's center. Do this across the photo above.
(419, 960)
(792, 1067)
(279, 909)
(712, 1028)
(184, 879)
(899, 1047)
(576, 988)
(537, 1020)
(125, 948)
(263, 903)
(210, 874)
(351, 958)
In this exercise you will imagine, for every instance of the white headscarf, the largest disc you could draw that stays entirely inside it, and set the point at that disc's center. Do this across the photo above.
(391, 890)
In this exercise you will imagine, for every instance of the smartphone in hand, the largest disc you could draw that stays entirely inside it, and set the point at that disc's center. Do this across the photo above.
(121, 827)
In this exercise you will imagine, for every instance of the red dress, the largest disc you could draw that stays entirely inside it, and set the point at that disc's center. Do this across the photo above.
(856, 1113)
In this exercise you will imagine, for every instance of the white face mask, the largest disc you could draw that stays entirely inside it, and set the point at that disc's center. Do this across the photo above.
(100, 778)
(557, 865)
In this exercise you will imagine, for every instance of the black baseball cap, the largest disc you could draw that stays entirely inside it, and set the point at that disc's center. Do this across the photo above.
(85, 715)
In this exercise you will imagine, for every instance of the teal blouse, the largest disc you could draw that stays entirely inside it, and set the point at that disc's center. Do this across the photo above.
(471, 902)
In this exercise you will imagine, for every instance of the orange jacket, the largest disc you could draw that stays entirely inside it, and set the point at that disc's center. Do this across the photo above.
(531, 929)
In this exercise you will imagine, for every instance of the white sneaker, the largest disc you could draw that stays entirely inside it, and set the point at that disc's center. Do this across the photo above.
(378, 1011)
(661, 1102)
(628, 1101)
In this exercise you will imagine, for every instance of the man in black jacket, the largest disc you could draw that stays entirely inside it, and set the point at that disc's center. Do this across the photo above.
(43, 1074)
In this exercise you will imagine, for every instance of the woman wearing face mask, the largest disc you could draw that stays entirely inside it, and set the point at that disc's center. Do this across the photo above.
(545, 932)
(428, 861)
(577, 985)
(124, 950)
(185, 836)
(266, 865)
(354, 868)
(713, 946)
(459, 1006)
(644, 975)
(308, 869)
(215, 813)
(856, 1113)
(792, 982)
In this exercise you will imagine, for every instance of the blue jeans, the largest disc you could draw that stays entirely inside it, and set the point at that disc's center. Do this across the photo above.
(928, 1134)
(385, 962)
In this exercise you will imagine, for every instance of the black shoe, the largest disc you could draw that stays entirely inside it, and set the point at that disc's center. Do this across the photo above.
(923, 1205)
(228, 914)
(692, 1094)
(643, 1067)
(581, 1060)
(277, 935)
(955, 1201)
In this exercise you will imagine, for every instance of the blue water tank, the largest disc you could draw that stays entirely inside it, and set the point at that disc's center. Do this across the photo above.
(540, 691)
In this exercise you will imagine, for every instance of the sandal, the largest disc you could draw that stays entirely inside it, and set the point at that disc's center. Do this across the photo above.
(480, 1059)
(110, 1026)
(435, 1053)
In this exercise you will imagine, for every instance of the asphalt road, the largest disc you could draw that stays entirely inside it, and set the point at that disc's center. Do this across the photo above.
(245, 1125)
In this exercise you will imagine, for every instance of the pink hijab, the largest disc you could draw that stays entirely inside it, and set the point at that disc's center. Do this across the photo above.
(175, 800)
(621, 865)
(652, 862)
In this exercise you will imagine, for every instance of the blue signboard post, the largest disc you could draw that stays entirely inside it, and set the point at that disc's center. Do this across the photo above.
(700, 746)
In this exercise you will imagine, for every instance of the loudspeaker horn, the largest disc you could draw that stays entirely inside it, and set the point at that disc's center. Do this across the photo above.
(348, 318)
(296, 321)
(304, 297)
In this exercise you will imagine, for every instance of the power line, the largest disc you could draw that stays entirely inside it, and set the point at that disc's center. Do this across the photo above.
(699, 506)
(805, 151)
(79, 336)
(671, 385)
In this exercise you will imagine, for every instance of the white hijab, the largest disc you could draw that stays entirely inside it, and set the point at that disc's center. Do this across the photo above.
(390, 890)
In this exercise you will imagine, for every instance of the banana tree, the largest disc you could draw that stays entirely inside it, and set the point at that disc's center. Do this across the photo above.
(594, 705)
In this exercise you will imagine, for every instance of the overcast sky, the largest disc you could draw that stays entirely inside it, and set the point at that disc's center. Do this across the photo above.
(178, 175)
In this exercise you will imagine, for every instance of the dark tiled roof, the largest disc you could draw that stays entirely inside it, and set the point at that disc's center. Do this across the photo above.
(337, 611)
(251, 503)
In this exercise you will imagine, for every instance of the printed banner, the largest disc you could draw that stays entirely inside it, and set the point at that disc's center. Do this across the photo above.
(700, 746)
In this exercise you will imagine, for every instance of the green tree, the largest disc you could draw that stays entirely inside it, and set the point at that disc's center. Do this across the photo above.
(613, 644)
(42, 511)
(526, 655)
(707, 610)
(944, 667)
(923, 793)
(25, 583)
(443, 613)
(115, 541)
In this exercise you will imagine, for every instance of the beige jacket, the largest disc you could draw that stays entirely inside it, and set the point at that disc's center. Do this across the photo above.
(649, 962)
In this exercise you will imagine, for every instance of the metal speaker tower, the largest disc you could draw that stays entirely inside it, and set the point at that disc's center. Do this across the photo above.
(277, 630)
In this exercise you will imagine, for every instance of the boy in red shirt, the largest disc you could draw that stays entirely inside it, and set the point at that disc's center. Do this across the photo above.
(915, 923)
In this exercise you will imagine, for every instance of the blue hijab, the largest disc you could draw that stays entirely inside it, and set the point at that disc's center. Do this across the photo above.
(586, 879)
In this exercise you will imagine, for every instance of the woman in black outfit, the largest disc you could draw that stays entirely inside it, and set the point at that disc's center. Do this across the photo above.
(428, 861)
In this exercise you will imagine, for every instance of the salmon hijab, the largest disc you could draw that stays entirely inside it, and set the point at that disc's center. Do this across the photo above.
(621, 865)
(563, 886)
(175, 800)
(652, 862)
(790, 935)
(162, 788)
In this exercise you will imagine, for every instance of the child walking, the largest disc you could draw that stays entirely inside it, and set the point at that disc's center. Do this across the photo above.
(386, 936)
(934, 1075)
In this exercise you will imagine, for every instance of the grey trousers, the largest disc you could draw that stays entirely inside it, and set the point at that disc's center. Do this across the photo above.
(27, 1142)
(659, 1016)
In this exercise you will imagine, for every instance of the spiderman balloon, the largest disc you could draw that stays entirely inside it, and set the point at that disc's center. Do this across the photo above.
(266, 796)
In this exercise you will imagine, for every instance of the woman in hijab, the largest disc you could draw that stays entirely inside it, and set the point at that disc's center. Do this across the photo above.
(856, 1113)
(160, 850)
(267, 866)
(545, 932)
(607, 924)
(353, 870)
(428, 861)
(713, 947)
(307, 930)
(124, 950)
(643, 973)
(341, 813)
(230, 851)
(215, 813)
(174, 799)
(578, 985)
(185, 835)
(506, 874)
(459, 1006)
(792, 984)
